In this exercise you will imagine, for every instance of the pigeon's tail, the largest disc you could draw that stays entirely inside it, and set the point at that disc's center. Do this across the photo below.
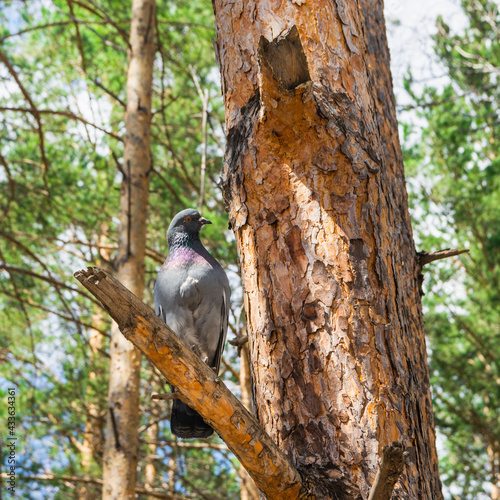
(187, 423)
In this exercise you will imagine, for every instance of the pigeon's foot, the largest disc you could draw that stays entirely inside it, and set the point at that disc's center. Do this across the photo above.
(196, 350)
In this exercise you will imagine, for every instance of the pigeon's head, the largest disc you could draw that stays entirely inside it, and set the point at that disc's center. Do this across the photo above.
(186, 223)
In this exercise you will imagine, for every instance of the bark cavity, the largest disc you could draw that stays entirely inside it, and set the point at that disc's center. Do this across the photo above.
(285, 58)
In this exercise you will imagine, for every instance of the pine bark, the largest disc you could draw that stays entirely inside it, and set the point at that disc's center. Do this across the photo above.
(314, 183)
(121, 448)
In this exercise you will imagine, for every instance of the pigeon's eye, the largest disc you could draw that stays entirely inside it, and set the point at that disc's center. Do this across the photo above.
(187, 219)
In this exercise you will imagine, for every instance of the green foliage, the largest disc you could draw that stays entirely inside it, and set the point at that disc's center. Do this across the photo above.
(59, 203)
(455, 170)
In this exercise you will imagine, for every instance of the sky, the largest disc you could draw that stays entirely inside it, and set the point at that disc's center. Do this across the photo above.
(410, 26)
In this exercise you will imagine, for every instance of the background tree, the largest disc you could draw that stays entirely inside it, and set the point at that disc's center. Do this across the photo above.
(455, 170)
(122, 443)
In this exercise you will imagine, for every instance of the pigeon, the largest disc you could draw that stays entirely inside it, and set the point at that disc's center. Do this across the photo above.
(192, 297)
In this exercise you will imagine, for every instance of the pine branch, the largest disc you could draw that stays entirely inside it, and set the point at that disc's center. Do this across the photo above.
(57, 313)
(34, 111)
(52, 281)
(67, 114)
(97, 83)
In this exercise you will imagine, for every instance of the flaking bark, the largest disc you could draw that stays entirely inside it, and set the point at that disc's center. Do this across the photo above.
(314, 184)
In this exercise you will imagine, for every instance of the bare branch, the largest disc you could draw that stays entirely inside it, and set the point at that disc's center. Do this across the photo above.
(229, 368)
(391, 466)
(52, 281)
(26, 316)
(97, 83)
(29, 253)
(167, 184)
(154, 255)
(58, 23)
(57, 313)
(426, 257)
(78, 38)
(123, 33)
(12, 186)
(440, 101)
(204, 95)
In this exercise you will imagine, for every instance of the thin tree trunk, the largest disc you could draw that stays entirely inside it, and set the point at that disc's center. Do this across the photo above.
(152, 433)
(248, 489)
(172, 470)
(121, 450)
(495, 471)
(315, 186)
(93, 438)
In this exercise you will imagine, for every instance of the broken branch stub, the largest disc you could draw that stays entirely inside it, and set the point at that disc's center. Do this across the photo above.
(426, 257)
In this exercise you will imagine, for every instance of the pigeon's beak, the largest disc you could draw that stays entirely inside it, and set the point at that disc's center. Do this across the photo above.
(204, 221)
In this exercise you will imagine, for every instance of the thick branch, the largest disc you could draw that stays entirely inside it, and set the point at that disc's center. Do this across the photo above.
(197, 385)
(391, 466)
(426, 257)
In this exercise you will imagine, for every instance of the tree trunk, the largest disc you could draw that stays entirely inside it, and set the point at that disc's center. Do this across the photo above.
(314, 182)
(121, 449)
(494, 459)
(152, 433)
(93, 438)
(248, 489)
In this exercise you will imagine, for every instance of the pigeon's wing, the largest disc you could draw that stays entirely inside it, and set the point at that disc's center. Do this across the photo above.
(224, 315)
(194, 302)
(174, 293)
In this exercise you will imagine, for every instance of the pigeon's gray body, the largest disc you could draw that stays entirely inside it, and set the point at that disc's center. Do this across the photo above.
(192, 296)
